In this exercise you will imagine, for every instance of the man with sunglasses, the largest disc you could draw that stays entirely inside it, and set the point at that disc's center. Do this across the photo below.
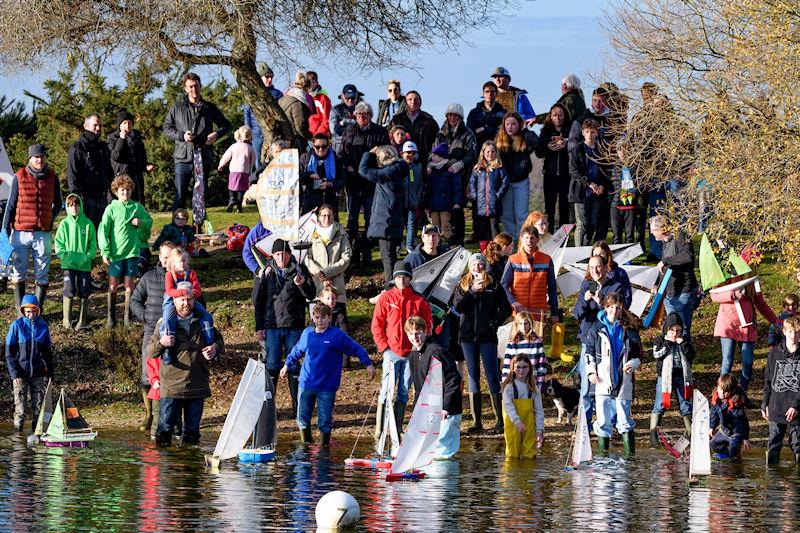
(322, 175)
(342, 114)
(394, 103)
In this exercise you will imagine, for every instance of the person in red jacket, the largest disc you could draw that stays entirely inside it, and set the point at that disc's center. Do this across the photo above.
(318, 122)
(394, 307)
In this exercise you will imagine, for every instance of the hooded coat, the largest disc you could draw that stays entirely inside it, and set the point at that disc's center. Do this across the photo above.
(118, 238)
(279, 303)
(330, 259)
(29, 352)
(295, 105)
(76, 239)
(608, 348)
(387, 220)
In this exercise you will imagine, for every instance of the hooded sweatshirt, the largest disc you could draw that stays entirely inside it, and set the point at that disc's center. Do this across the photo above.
(782, 383)
(29, 351)
(118, 238)
(616, 335)
(76, 240)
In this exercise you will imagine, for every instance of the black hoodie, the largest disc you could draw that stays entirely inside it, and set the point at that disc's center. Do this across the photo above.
(782, 383)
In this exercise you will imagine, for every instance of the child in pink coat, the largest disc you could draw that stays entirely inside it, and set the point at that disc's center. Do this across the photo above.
(731, 331)
(242, 159)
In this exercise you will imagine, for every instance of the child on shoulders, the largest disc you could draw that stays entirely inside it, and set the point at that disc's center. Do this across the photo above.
(727, 412)
(522, 410)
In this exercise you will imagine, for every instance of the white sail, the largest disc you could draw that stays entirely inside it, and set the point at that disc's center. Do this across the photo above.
(555, 241)
(244, 411)
(639, 301)
(389, 424)
(700, 450)
(642, 276)
(628, 254)
(422, 435)
(582, 449)
(446, 286)
(438, 277)
(503, 334)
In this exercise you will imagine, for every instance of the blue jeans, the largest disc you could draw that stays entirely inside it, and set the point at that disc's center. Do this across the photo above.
(170, 414)
(305, 408)
(257, 142)
(728, 349)
(684, 405)
(683, 305)
(411, 230)
(184, 181)
(38, 246)
(473, 353)
(612, 411)
(515, 207)
(587, 388)
(402, 377)
(279, 342)
(169, 323)
(355, 203)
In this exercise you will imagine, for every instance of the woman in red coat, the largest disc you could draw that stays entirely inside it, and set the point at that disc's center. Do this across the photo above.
(731, 331)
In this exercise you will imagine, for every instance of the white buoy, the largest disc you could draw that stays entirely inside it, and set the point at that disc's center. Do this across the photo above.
(337, 509)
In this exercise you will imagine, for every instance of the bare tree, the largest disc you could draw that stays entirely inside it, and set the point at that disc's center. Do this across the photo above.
(363, 33)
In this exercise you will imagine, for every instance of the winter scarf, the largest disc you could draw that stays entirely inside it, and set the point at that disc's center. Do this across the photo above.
(329, 162)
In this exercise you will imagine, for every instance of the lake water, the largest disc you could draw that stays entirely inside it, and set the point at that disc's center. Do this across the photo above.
(125, 483)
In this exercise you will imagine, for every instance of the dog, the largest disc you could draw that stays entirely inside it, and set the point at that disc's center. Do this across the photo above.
(566, 399)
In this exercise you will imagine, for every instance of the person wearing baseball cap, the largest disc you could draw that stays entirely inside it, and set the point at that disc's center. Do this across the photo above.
(343, 113)
(250, 120)
(513, 98)
(392, 310)
(427, 249)
(415, 189)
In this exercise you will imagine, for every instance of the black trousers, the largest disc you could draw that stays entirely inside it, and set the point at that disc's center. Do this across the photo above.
(597, 213)
(776, 433)
(622, 224)
(388, 251)
(556, 189)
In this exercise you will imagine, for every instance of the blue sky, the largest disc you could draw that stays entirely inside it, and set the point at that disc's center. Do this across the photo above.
(539, 44)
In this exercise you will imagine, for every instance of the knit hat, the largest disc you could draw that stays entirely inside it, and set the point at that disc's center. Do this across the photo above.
(455, 109)
(350, 91)
(672, 319)
(500, 71)
(281, 246)
(442, 150)
(410, 146)
(401, 268)
(477, 257)
(186, 288)
(264, 70)
(122, 116)
(35, 150)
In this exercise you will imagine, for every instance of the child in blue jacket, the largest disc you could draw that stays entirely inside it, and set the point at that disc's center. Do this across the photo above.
(29, 357)
(320, 376)
(727, 413)
(444, 192)
(488, 183)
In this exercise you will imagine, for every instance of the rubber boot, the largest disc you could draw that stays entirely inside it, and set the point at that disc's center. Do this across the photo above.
(497, 408)
(111, 303)
(602, 444)
(41, 296)
(326, 440)
(19, 292)
(163, 439)
(66, 322)
(126, 320)
(629, 442)
(379, 416)
(687, 425)
(294, 385)
(83, 318)
(148, 412)
(399, 415)
(475, 407)
(305, 436)
(655, 421)
(797, 458)
(773, 458)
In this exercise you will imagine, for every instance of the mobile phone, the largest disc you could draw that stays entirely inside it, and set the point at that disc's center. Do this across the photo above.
(593, 286)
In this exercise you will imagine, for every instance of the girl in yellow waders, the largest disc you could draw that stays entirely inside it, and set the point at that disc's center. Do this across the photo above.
(523, 414)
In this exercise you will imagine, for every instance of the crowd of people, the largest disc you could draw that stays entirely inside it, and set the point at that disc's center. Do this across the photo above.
(414, 182)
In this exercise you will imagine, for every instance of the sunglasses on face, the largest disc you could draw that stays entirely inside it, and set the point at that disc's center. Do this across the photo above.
(320, 146)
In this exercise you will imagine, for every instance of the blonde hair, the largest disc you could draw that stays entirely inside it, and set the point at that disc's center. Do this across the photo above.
(301, 81)
(386, 155)
(394, 82)
(244, 133)
(176, 255)
(515, 332)
(483, 164)
(415, 323)
(468, 278)
(505, 143)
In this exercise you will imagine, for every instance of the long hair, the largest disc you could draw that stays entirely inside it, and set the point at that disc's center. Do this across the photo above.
(492, 253)
(628, 320)
(729, 385)
(548, 123)
(505, 143)
(607, 249)
(531, 381)
(466, 280)
(522, 316)
(483, 164)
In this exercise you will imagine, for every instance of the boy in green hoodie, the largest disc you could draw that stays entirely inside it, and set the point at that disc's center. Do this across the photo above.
(124, 226)
(76, 244)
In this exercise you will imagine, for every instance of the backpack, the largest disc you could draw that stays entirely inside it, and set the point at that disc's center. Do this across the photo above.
(236, 237)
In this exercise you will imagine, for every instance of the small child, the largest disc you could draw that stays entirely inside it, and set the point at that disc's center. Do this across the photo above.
(29, 357)
(124, 226)
(626, 199)
(242, 159)
(178, 231)
(178, 272)
(727, 412)
(443, 191)
(781, 403)
(76, 244)
(614, 351)
(415, 189)
(420, 359)
(674, 355)
(523, 412)
(488, 183)
(791, 303)
(329, 297)
(321, 373)
(525, 341)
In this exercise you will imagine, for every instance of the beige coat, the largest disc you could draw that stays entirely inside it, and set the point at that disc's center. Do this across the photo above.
(331, 259)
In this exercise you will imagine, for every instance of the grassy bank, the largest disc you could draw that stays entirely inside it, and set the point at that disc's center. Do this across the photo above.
(100, 367)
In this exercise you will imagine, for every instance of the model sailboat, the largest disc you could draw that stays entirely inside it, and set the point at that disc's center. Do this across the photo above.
(246, 410)
(582, 445)
(380, 459)
(62, 426)
(725, 275)
(700, 449)
(422, 435)
(436, 280)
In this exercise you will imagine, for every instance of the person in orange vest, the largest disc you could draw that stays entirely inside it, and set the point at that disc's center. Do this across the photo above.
(529, 278)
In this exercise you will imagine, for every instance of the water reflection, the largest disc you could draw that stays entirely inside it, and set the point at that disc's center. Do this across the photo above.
(126, 483)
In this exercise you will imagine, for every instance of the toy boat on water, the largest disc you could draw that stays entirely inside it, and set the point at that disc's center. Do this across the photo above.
(62, 426)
